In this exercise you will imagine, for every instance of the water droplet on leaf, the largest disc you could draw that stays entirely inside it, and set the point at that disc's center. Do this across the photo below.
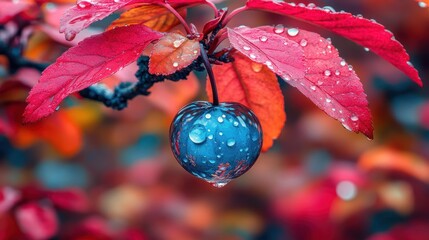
(292, 32)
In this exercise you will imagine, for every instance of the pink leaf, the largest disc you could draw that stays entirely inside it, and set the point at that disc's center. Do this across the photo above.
(37, 221)
(86, 12)
(87, 63)
(72, 199)
(9, 9)
(8, 198)
(360, 30)
(330, 83)
(278, 53)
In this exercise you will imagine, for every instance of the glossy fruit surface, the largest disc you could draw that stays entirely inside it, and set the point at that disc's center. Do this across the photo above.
(216, 143)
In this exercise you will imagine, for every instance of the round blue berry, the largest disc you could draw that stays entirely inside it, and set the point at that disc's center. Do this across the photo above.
(216, 143)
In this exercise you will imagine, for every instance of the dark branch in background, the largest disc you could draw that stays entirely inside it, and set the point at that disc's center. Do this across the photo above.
(17, 61)
(118, 98)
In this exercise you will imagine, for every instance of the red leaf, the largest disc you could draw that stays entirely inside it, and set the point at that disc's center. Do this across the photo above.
(212, 24)
(37, 221)
(69, 199)
(278, 53)
(360, 30)
(255, 86)
(9, 9)
(172, 53)
(95, 58)
(330, 83)
(86, 12)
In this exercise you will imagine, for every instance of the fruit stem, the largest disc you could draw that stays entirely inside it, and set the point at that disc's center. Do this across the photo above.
(209, 69)
(179, 17)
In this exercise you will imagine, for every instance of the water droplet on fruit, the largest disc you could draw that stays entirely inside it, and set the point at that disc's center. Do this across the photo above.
(337, 73)
(235, 124)
(327, 73)
(292, 32)
(343, 63)
(220, 184)
(84, 4)
(422, 4)
(210, 137)
(329, 9)
(220, 133)
(279, 28)
(247, 48)
(220, 119)
(117, 1)
(303, 42)
(230, 142)
(198, 134)
(208, 116)
(366, 49)
(252, 56)
(328, 100)
(313, 88)
(175, 64)
(263, 38)
(354, 118)
(319, 83)
(410, 64)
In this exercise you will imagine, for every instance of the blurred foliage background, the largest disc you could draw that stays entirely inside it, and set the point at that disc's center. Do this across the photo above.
(104, 174)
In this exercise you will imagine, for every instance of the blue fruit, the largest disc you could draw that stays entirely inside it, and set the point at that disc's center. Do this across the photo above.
(216, 143)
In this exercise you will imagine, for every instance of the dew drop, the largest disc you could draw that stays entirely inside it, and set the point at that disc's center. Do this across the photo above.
(252, 56)
(327, 73)
(57, 108)
(235, 124)
(117, 1)
(175, 64)
(279, 28)
(220, 133)
(247, 48)
(292, 32)
(210, 137)
(230, 142)
(346, 126)
(208, 116)
(195, 52)
(220, 184)
(212, 161)
(70, 35)
(366, 49)
(84, 5)
(303, 43)
(422, 4)
(329, 9)
(220, 119)
(319, 83)
(313, 88)
(263, 38)
(337, 73)
(198, 134)
(218, 156)
(328, 100)
(410, 64)
(286, 77)
(343, 63)
(354, 118)
(256, 67)
(178, 42)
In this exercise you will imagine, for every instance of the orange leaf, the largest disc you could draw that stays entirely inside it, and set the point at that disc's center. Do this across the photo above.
(172, 53)
(255, 86)
(156, 17)
(394, 160)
